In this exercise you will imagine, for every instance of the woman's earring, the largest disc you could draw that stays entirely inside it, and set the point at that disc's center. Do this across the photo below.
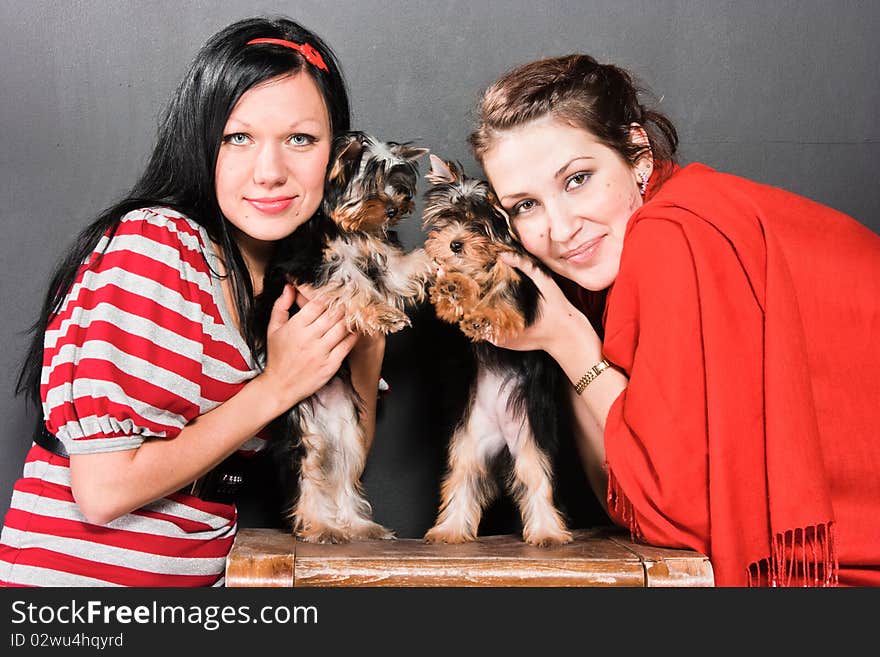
(644, 176)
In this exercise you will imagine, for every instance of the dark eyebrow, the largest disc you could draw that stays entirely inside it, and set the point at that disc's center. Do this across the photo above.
(244, 124)
(512, 197)
(292, 126)
(568, 164)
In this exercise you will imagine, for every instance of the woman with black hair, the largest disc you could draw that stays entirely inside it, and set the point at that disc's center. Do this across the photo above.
(145, 361)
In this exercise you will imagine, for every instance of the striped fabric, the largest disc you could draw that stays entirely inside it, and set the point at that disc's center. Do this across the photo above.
(142, 345)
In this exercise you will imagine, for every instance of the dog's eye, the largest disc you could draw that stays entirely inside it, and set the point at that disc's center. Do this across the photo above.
(456, 246)
(391, 212)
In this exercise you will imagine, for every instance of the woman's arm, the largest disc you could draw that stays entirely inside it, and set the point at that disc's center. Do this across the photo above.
(652, 432)
(569, 338)
(304, 351)
(366, 366)
(590, 442)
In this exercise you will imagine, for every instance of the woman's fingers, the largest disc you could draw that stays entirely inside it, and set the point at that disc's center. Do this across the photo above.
(530, 269)
(525, 265)
(306, 291)
(314, 321)
(343, 348)
(281, 309)
(511, 259)
(311, 312)
(301, 300)
(328, 320)
(335, 333)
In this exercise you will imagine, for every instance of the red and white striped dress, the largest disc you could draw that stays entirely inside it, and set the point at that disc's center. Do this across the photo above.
(142, 345)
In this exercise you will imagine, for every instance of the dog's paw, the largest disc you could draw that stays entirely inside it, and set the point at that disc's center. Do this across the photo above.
(370, 531)
(446, 308)
(392, 322)
(376, 318)
(548, 539)
(365, 531)
(477, 326)
(492, 322)
(322, 534)
(443, 291)
(455, 291)
(440, 534)
(386, 319)
(447, 312)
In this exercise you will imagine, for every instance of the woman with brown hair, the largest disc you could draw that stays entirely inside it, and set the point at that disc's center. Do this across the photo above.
(731, 406)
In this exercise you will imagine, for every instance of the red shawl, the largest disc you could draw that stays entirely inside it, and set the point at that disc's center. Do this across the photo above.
(747, 319)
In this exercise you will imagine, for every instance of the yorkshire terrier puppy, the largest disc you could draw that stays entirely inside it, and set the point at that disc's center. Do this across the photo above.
(351, 257)
(513, 401)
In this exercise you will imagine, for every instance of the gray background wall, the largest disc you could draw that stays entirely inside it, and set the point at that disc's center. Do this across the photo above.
(786, 92)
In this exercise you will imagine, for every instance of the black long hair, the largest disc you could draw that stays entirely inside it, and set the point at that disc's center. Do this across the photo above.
(180, 172)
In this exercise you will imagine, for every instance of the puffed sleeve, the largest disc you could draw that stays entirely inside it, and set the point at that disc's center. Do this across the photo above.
(123, 355)
(657, 431)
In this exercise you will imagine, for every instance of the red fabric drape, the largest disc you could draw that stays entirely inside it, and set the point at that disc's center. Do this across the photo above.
(748, 321)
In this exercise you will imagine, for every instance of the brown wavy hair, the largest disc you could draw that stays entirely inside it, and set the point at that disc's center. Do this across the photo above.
(600, 98)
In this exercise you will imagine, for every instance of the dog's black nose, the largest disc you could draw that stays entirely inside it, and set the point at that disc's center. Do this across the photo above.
(391, 212)
(456, 246)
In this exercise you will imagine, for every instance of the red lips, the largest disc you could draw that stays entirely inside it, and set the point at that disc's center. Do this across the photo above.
(271, 205)
(584, 251)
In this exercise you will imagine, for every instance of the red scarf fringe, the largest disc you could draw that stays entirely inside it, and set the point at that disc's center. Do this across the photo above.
(622, 507)
(805, 556)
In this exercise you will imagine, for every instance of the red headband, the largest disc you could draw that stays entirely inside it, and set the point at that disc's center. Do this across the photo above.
(311, 55)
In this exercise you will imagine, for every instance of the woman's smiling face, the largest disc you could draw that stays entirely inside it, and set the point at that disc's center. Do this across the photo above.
(569, 197)
(273, 159)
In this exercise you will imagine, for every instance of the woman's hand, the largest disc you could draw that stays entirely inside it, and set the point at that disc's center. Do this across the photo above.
(365, 360)
(559, 323)
(304, 351)
(366, 346)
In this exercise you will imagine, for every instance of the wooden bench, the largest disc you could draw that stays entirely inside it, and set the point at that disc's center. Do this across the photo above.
(597, 557)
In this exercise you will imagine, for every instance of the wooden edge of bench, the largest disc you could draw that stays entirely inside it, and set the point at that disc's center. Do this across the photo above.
(667, 567)
(271, 558)
(261, 558)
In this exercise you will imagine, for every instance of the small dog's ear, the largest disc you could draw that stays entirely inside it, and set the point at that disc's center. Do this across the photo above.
(442, 171)
(348, 155)
(411, 153)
